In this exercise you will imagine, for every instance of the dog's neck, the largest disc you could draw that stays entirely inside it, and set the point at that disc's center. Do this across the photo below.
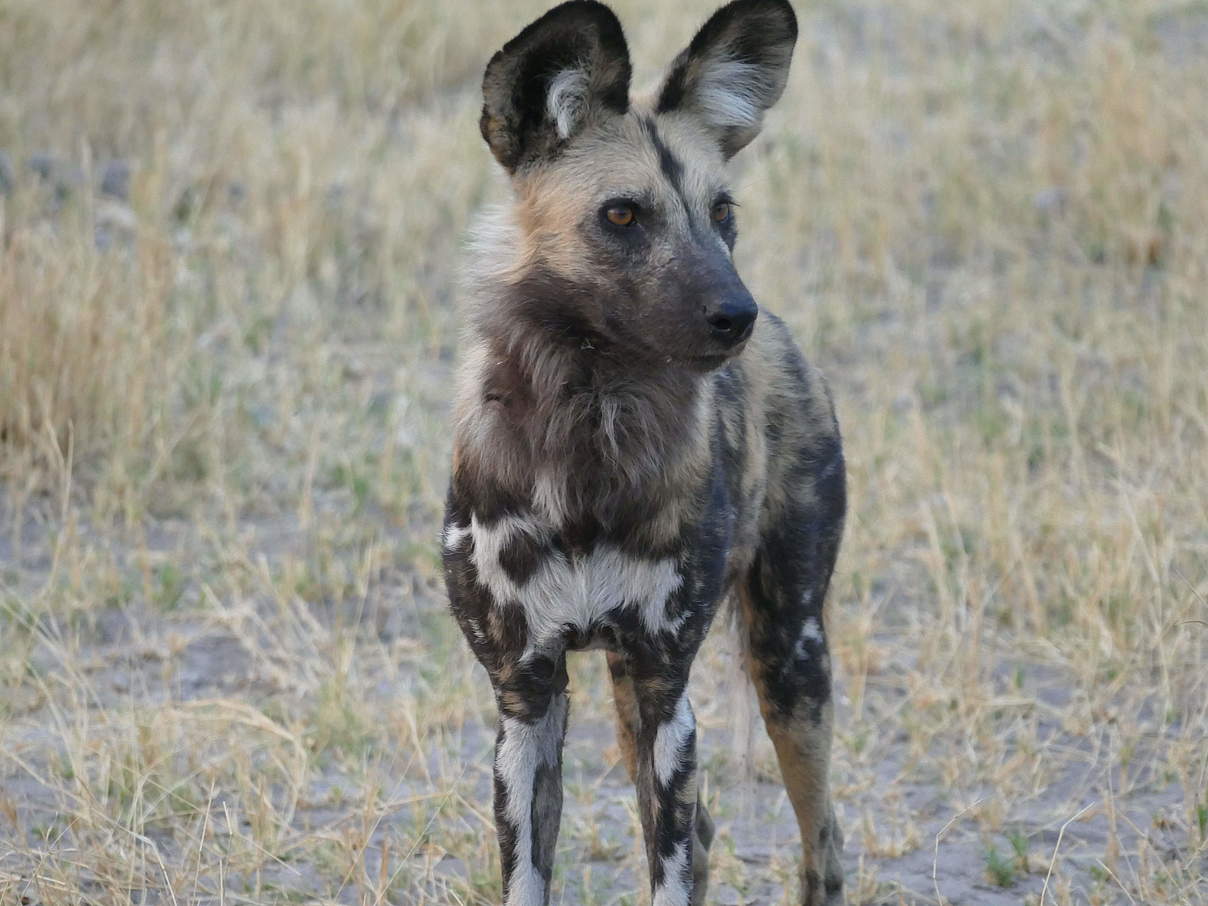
(567, 424)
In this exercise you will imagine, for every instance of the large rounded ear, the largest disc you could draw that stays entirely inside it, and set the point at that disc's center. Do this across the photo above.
(734, 70)
(551, 80)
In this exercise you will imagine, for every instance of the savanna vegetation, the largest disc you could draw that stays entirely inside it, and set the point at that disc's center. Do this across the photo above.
(230, 236)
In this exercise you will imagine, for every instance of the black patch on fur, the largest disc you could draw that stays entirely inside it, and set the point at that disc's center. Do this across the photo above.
(704, 824)
(812, 885)
(457, 508)
(798, 554)
(580, 535)
(472, 492)
(547, 796)
(528, 689)
(521, 557)
(508, 626)
(671, 166)
(812, 531)
(504, 829)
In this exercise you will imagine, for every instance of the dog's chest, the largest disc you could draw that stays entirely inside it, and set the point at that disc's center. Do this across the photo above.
(570, 595)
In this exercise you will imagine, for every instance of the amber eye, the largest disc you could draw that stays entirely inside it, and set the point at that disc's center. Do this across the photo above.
(620, 214)
(721, 212)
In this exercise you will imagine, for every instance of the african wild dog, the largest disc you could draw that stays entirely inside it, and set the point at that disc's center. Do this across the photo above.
(632, 445)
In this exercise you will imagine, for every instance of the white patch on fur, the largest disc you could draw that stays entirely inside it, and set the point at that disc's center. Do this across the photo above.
(454, 535)
(732, 93)
(811, 631)
(670, 740)
(563, 593)
(527, 887)
(566, 102)
(525, 747)
(491, 246)
(476, 628)
(676, 889)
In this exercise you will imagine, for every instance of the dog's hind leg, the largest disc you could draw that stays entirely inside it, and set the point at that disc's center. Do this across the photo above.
(628, 727)
(781, 606)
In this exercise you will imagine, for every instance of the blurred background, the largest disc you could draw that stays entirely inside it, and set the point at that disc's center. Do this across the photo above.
(230, 236)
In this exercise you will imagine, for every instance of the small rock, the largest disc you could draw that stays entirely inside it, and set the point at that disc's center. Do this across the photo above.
(115, 179)
(63, 176)
(41, 164)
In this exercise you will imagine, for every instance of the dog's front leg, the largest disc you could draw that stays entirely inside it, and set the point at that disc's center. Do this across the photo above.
(530, 690)
(528, 796)
(666, 783)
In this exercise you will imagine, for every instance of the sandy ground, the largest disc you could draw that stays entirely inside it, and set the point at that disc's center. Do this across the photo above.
(917, 843)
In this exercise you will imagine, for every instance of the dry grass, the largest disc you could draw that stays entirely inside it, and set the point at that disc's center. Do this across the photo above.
(225, 672)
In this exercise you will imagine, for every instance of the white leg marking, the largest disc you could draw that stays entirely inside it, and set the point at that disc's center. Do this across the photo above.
(525, 747)
(671, 739)
(676, 889)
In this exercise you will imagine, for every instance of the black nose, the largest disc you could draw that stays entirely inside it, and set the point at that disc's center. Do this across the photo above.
(731, 323)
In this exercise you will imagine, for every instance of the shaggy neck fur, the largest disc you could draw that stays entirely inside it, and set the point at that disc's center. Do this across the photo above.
(557, 416)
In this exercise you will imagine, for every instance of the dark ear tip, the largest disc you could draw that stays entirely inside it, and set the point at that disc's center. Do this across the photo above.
(790, 15)
(782, 8)
(767, 10)
(568, 17)
(572, 13)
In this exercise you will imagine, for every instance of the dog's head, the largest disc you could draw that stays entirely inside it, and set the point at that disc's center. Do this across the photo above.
(626, 222)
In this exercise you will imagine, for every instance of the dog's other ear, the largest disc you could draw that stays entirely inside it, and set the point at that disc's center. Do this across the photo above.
(734, 70)
(551, 80)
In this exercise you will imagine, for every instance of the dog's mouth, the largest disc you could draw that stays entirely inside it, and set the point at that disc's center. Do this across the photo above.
(709, 362)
